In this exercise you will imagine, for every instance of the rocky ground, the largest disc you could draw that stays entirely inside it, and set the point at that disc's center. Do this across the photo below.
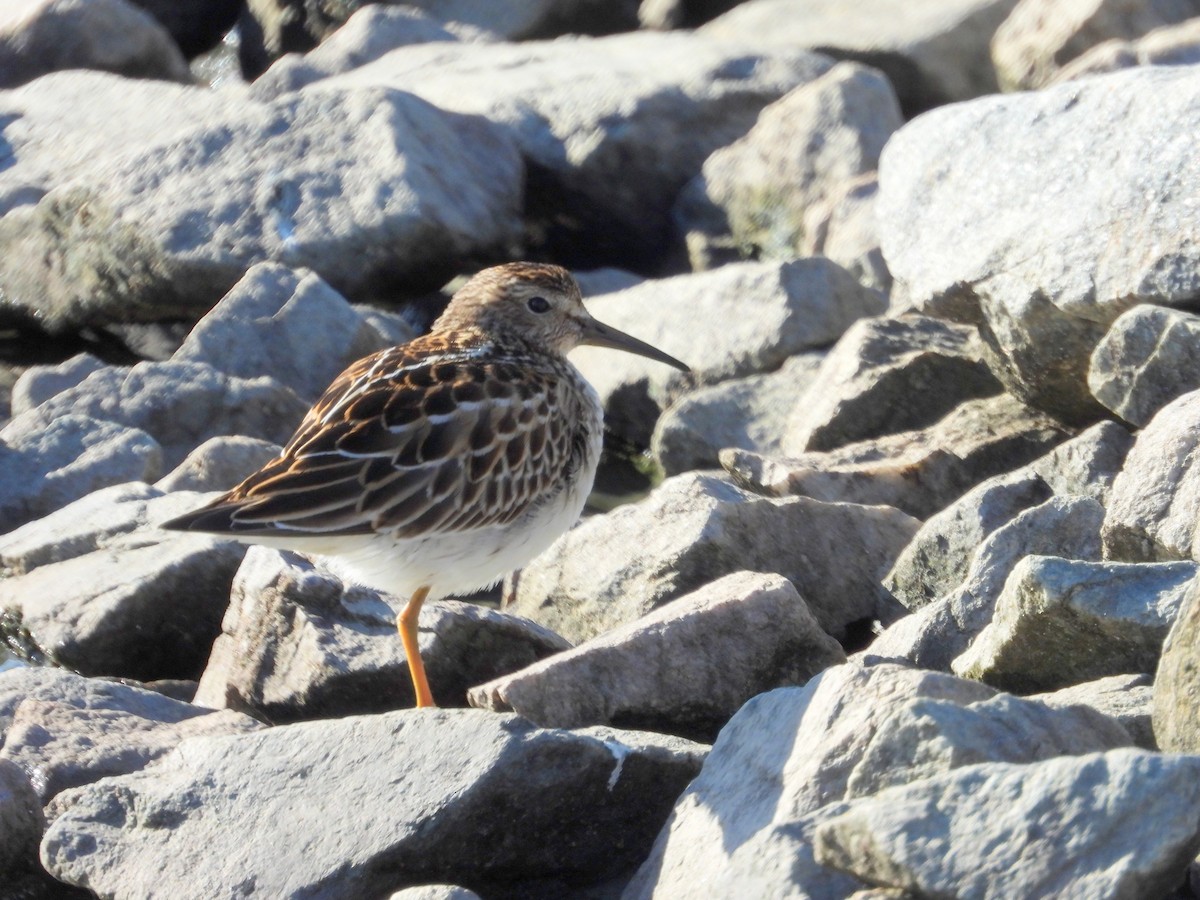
(896, 596)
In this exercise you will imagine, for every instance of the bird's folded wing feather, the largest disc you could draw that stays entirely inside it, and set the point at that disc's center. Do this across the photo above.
(409, 444)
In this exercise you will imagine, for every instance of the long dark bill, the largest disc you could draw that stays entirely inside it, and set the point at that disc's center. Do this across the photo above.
(597, 334)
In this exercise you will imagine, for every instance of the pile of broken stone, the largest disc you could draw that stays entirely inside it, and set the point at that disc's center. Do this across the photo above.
(913, 610)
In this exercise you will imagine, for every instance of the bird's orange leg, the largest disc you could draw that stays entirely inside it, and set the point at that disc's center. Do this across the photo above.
(406, 623)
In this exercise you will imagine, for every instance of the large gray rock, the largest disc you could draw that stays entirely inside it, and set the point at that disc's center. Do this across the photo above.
(179, 404)
(290, 326)
(1060, 622)
(611, 128)
(1126, 699)
(1170, 45)
(369, 188)
(887, 375)
(218, 464)
(748, 413)
(1047, 829)
(735, 321)
(1150, 356)
(48, 463)
(966, 241)
(919, 472)
(81, 730)
(933, 51)
(694, 528)
(109, 35)
(711, 651)
(298, 643)
(933, 636)
(755, 193)
(1177, 682)
(38, 384)
(481, 799)
(1041, 36)
(1151, 515)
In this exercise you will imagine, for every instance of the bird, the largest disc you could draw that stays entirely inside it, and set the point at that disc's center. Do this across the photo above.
(435, 467)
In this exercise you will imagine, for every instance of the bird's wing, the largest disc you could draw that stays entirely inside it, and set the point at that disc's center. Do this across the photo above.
(408, 443)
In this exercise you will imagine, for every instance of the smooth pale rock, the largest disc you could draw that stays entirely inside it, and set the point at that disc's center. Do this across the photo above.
(1060, 622)
(610, 128)
(435, 892)
(933, 51)
(39, 383)
(1150, 356)
(21, 821)
(919, 472)
(147, 612)
(843, 227)
(108, 35)
(755, 193)
(938, 558)
(694, 528)
(46, 463)
(1151, 515)
(298, 643)
(966, 241)
(748, 413)
(743, 827)
(1127, 699)
(1177, 682)
(218, 464)
(887, 375)
(933, 636)
(179, 404)
(288, 325)
(369, 188)
(481, 799)
(741, 319)
(87, 729)
(1170, 45)
(1008, 826)
(1041, 36)
(712, 650)
(666, 14)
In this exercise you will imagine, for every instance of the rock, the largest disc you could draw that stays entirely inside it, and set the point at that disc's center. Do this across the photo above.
(743, 319)
(1061, 622)
(1043, 318)
(667, 14)
(1125, 698)
(179, 404)
(748, 413)
(1008, 825)
(611, 128)
(1148, 358)
(21, 821)
(1151, 514)
(933, 636)
(712, 650)
(919, 472)
(149, 612)
(195, 25)
(1041, 36)
(843, 227)
(47, 463)
(938, 558)
(45, 36)
(297, 643)
(755, 192)
(37, 384)
(1170, 45)
(435, 892)
(888, 375)
(933, 51)
(86, 729)
(485, 800)
(330, 180)
(218, 464)
(694, 528)
(1177, 683)
(288, 325)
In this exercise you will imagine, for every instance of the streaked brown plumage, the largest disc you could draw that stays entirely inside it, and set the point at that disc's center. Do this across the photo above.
(435, 467)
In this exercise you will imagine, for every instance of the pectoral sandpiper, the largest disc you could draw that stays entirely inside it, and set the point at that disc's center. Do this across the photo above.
(435, 467)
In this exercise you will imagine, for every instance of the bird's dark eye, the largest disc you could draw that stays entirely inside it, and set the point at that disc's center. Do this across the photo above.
(538, 304)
